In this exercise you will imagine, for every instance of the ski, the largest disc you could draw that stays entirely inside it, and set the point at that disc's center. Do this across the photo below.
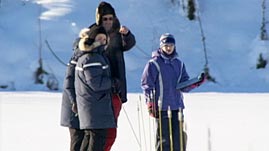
(190, 82)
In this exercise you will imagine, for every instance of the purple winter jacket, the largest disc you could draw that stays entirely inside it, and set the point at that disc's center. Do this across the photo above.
(163, 83)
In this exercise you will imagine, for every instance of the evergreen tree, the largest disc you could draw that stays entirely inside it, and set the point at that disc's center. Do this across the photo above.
(261, 62)
(191, 9)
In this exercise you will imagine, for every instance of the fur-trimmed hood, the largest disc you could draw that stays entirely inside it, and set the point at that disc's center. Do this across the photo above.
(87, 48)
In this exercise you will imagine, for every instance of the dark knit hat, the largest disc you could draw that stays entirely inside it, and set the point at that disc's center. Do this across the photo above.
(167, 38)
(104, 8)
(94, 31)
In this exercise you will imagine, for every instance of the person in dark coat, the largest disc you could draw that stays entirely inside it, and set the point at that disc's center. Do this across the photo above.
(69, 116)
(159, 79)
(121, 40)
(93, 86)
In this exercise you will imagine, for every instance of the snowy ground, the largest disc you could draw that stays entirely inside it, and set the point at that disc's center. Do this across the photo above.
(29, 121)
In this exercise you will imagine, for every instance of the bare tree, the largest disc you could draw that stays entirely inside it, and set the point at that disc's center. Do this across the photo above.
(264, 35)
(261, 61)
(40, 72)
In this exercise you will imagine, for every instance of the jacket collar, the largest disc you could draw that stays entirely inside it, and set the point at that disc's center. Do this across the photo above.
(158, 53)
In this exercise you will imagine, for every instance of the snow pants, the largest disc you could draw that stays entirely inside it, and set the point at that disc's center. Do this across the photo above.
(76, 136)
(112, 132)
(165, 133)
(94, 140)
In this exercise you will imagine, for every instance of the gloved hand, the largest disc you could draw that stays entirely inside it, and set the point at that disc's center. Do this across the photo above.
(124, 30)
(152, 109)
(202, 78)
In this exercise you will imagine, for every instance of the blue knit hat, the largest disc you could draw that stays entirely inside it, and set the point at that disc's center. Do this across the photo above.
(167, 38)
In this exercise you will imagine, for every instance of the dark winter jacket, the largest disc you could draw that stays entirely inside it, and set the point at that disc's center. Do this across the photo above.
(93, 91)
(117, 45)
(164, 82)
(68, 117)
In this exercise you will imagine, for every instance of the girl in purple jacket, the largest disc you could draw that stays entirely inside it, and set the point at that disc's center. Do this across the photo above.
(165, 102)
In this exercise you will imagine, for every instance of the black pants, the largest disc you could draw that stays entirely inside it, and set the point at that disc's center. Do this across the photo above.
(164, 137)
(94, 140)
(76, 136)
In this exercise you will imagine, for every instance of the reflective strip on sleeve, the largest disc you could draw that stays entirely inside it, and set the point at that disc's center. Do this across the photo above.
(105, 67)
(73, 62)
(92, 64)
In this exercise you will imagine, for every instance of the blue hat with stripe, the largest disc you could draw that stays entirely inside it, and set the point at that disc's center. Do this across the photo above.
(167, 38)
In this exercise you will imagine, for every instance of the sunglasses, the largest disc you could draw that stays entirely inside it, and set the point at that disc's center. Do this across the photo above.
(107, 18)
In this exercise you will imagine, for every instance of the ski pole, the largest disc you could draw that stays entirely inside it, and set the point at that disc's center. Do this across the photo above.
(169, 114)
(153, 96)
(139, 144)
(149, 130)
(143, 125)
(160, 124)
(139, 129)
(180, 120)
(209, 139)
(154, 134)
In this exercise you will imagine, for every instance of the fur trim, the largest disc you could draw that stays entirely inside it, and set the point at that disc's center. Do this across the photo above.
(84, 33)
(84, 47)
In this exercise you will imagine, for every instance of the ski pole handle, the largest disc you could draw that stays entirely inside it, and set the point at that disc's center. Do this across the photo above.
(180, 115)
(169, 114)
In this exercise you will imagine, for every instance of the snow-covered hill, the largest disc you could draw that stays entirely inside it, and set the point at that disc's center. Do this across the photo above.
(231, 27)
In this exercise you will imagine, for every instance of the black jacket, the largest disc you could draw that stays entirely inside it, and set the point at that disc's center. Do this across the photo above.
(93, 91)
(118, 44)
